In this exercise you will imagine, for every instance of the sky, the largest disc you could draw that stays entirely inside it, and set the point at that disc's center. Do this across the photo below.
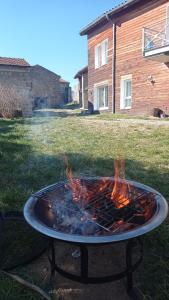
(46, 32)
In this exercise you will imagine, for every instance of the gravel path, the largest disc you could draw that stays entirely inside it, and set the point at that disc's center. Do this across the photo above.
(134, 121)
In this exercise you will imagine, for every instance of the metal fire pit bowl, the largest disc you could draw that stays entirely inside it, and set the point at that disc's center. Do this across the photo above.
(40, 212)
(54, 211)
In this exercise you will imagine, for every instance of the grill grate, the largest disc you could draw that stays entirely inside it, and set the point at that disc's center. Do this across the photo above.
(96, 206)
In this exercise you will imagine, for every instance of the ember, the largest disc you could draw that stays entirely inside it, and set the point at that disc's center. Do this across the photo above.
(96, 214)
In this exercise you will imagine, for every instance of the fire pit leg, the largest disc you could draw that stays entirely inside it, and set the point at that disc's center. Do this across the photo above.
(129, 249)
(132, 292)
(52, 260)
(84, 263)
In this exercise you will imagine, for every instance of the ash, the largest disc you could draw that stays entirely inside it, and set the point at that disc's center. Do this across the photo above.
(72, 218)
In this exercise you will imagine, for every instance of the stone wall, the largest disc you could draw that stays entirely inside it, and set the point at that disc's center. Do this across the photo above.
(15, 91)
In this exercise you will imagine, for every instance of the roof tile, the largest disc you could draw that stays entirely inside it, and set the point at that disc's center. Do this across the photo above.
(14, 62)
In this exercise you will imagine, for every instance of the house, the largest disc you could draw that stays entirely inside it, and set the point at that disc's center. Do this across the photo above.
(128, 58)
(82, 76)
(24, 88)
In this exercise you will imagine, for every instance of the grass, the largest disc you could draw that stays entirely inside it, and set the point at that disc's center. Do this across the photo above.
(31, 157)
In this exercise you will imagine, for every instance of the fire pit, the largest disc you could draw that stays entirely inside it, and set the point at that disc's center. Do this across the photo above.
(94, 211)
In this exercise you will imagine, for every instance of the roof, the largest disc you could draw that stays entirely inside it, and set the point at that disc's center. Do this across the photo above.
(14, 62)
(80, 72)
(63, 81)
(36, 67)
(104, 18)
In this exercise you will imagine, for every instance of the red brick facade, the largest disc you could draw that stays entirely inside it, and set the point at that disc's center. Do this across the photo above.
(130, 60)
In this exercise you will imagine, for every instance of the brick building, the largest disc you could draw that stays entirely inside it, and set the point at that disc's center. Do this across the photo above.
(24, 88)
(128, 58)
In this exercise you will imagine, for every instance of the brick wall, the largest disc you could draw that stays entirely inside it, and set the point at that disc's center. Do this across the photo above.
(130, 60)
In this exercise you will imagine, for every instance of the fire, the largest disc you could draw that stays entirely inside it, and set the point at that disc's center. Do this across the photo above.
(81, 194)
(104, 184)
(78, 190)
(120, 189)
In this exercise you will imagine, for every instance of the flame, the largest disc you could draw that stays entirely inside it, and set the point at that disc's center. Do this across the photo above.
(118, 194)
(120, 189)
(104, 184)
(78, 190)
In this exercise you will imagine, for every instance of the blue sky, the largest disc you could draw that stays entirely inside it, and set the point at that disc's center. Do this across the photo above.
(46, 32)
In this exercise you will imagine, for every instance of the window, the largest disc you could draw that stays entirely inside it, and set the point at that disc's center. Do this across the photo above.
(101, 97)
(126, 92)
(101, 54)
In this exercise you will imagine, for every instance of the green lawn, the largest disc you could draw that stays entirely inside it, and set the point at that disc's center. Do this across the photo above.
(31, 157)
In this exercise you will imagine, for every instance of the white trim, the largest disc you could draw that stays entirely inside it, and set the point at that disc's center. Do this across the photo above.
(156, 51)
(122, 80)
(167, 22)
(104, 108)
(143, 40)
(82, 91)
(106, 82)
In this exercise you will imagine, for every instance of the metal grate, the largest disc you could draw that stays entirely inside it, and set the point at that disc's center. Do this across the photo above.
(97, 206)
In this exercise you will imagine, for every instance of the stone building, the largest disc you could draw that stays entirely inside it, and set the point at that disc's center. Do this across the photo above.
(65, 91)
(15, 88)
(24, 88)
(45, 88)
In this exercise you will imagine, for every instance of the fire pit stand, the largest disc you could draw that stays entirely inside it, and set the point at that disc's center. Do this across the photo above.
(96, 211)
(84, 278)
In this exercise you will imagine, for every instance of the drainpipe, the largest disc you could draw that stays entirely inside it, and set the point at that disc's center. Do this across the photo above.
(82, 91)
(113, 64)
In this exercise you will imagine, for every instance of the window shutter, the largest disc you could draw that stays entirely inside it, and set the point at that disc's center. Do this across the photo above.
(104, 47)
(95, 98)
(96, 57)
(167, 24)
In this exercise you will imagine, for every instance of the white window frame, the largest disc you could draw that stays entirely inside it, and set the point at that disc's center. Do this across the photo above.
(122, 91)
(96, 102)
(101, 57)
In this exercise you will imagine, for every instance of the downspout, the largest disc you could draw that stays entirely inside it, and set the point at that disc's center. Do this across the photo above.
(113, 65)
